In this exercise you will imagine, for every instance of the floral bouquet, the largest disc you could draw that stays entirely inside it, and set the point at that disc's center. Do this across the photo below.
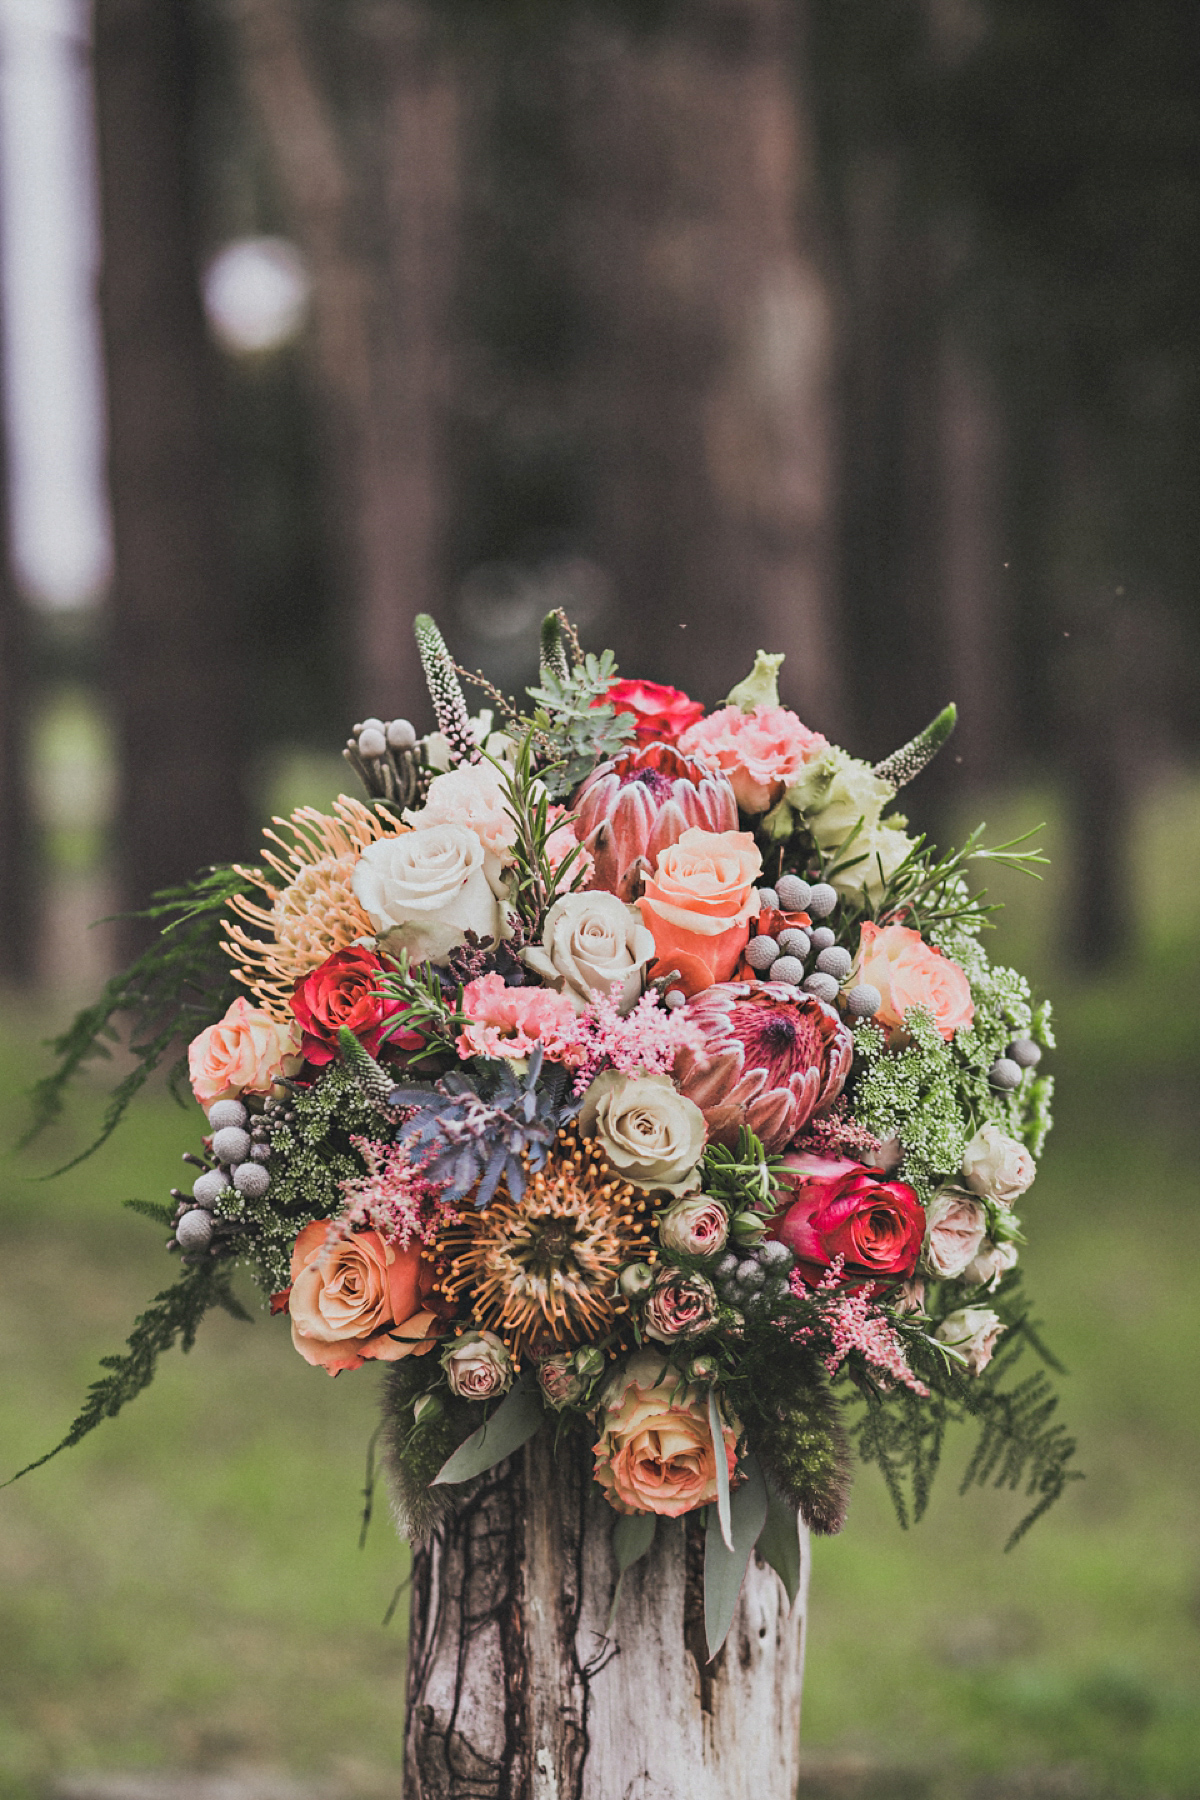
(620, 1064)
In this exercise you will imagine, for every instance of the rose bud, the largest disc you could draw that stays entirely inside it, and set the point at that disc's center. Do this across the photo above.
(694, 1226)
(589, 1362)
(681, 1306)
(559, 1381)
(477, 1366)
(702, 1368)
(427, 1406)
(636, 1279)
(748, 1230)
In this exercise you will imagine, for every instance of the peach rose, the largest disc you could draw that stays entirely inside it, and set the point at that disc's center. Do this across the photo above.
(655, 1452)
(762, 752)
(908, 972)
(242, 1054)
(699, 903)
(357, 1300)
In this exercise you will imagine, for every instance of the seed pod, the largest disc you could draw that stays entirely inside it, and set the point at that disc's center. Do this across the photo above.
(1025, 1053)
(836, 962)
(793, 894)
(822, 900)
(768, 899)
(207, 1187)
(761, 952)
(194, 1231)
(1005, 1074)
(231, 1144)
(823, 987)
(251, 1180)
(864, 1001)
(789, 969)
(226, 1112)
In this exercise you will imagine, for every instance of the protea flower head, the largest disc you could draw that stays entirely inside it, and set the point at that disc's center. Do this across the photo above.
(776, 1056)
(638, 803)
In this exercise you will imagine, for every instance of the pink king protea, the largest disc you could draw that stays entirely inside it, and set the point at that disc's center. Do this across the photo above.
(775, 1056)
(641, 802)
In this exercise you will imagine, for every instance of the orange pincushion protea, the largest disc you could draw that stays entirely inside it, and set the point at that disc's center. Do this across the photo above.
(542, 1272)
(312, 911)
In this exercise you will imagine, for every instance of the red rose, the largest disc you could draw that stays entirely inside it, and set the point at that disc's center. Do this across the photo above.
(346, 990)
(661, 712)
(842, 1208)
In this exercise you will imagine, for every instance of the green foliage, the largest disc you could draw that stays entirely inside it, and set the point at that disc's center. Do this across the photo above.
(181, 984)
(741, 1177)
(175, 1313)
(1019, 1446)
(794, 1426)
(574, 727)
(537, 879)
(914, 1094)
(906, 764)
(310, 1158)
(416, 1450)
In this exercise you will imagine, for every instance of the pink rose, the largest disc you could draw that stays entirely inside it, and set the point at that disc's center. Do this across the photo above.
(762, 752)
(243, 1054)
(511, 1021)
(681, 1306)
(471, 795)
(908, 973)
(655, 1451)
(694, 1226)
(955, 1224)
(973, 1332)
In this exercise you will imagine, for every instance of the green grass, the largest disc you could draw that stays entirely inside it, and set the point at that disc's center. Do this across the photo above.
(185, 1589)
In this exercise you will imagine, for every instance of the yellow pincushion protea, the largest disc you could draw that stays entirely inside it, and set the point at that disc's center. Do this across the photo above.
(312, 910)
(541, 1272)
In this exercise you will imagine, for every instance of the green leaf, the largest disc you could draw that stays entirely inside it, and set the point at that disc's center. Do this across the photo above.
(632, 1536)
(722, 1468)
(779, 1543)
(512, 1424)
(725, 1568)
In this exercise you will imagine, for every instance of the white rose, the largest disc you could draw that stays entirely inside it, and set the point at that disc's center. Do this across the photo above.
(993, 1262)
(834, 793)
(425, 890)
(883, 848)
(651, 1134)
(695, 1226)
(997, 1166)
(588, 942)
(973, 1332)
(470, 795)
(477, 1366)
(954, 1229)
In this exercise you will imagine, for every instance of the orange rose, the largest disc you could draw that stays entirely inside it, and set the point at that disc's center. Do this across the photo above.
(242, 1054)
(357, 1300)
(908, 973)
(655, 1452)
(699, 904)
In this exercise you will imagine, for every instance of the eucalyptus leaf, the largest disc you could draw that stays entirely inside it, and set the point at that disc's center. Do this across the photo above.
(724, 1569)
(632, 1536)
(512, 1424)
(722, 1467)
(779, 1543)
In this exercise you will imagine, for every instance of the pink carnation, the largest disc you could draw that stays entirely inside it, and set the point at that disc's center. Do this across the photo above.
(762, 752)
(510, 1021)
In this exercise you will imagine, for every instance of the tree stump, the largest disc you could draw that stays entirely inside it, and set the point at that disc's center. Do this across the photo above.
(517, 1691)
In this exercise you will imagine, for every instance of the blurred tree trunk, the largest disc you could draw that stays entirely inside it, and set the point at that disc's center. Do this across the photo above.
(17, 946)
(370, 188)
(175, 676)
(708, 366)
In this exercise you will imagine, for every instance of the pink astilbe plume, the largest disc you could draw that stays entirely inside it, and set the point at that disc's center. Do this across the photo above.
(856, 1323)
(645, 1042)
(393, 1198)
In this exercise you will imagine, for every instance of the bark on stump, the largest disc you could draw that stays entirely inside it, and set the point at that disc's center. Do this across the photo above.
(516, 1693)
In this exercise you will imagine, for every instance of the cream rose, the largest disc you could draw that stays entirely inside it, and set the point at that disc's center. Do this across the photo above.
(997, 1166)
(242, 1054)
(955, 1224)
(471, 795)
(695, 1226)
(589, 941)
(560, 1381)
(477, 1366)
(991, 1264)
(651, 1134)
(655, 1452)
(425, 890)
(973, 1332)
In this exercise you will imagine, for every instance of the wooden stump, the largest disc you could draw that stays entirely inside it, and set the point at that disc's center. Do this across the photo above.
(515, 1692)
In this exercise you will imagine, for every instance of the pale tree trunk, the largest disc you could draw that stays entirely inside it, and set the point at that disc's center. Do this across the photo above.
(371, 195)
(707, 374)
(517, 1690)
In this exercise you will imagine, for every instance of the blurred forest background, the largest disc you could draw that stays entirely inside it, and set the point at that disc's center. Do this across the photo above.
(867, 330)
